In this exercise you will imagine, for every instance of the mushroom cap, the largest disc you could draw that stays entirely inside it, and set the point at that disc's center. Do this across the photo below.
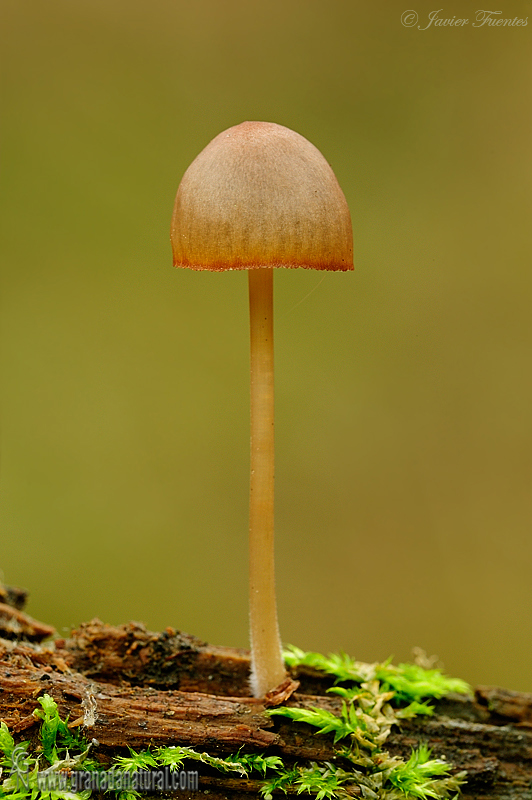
(261, 195)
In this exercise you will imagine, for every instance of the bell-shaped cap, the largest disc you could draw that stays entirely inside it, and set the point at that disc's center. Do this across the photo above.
(261, 195)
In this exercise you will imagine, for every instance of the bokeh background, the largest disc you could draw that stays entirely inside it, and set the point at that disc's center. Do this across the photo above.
(404, 389)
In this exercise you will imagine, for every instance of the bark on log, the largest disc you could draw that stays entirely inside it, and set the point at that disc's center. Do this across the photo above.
(128, 686)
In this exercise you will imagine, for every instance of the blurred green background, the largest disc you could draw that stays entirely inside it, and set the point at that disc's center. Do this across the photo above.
(404, 390)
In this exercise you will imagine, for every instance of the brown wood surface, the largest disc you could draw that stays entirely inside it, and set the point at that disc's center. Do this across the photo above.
(126, 686)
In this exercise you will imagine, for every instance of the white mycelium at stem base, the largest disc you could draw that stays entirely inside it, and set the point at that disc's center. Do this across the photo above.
(261, 196)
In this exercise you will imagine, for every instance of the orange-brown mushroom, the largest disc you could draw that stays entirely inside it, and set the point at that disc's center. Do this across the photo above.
(261, 196)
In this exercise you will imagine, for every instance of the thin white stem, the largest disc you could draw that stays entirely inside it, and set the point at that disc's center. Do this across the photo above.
(267, 667)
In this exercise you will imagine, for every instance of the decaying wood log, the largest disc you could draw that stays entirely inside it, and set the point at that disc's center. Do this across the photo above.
(127, 686)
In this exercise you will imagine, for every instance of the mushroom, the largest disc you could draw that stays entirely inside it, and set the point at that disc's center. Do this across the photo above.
(261, 196)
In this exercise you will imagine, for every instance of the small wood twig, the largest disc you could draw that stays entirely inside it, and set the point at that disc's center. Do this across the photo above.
(15, 624)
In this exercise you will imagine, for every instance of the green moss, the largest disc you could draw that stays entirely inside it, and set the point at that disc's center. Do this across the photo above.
(409, 682)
